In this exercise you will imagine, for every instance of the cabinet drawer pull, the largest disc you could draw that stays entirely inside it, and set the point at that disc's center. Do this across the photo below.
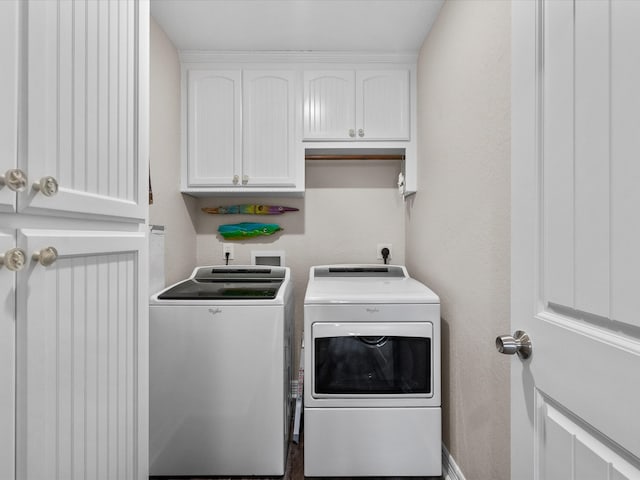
(15, 180)
(48, 186)
(352, 132)
(236, 179)
(245, 179)
(46, 257)
(14, 259)
(361, 132)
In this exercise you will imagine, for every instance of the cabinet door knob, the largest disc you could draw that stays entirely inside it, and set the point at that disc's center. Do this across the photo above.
(236, 179)
(46, 257)
(361, 132)
(245, 179)
(48, 186)
(14, 259)
(352, 132)
(15, 179)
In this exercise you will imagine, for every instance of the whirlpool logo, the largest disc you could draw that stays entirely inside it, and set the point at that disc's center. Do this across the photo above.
(372, 310)
(215, 311)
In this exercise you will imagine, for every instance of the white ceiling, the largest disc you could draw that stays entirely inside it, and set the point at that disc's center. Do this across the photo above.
(380, 26)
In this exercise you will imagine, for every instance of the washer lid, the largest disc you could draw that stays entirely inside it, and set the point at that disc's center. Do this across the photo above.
(228, 283)
(365, 284)
(222, 290)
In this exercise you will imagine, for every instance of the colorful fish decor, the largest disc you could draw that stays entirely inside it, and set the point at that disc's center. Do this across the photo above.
(250, 209)
(240, 231)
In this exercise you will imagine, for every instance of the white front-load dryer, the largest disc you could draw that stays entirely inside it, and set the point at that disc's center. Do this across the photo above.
(220, 373)
(372, 373)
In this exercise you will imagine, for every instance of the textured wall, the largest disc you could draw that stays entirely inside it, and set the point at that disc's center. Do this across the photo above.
(458, 238)
(169, 207)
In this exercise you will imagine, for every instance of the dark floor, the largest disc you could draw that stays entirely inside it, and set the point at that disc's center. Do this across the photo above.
(295, 470)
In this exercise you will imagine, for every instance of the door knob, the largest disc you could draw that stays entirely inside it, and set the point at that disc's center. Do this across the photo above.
(15, 179)
(45, 257)
(519, 343)
(14, 259)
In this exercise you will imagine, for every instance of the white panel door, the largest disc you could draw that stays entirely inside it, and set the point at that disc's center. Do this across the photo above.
(575, 237)
(268, 121)
(382, 105)
(84, 106)
(7, 360)
(329, 105)
(214, 126)
(9, 21)
(81, 357)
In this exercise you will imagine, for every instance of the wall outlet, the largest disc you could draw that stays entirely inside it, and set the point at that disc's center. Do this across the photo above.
(379, 251)
(227, 247)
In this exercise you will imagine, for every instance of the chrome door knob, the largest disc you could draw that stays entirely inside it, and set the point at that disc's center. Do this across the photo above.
(14, 259)
(519, 343)
(352, 132)
(361, 132)
(15, 179)
(46, 257)
(48, 186)
(245, 179)
(236, 179)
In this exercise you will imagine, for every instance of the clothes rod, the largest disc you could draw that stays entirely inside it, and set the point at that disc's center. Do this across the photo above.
(314, 156)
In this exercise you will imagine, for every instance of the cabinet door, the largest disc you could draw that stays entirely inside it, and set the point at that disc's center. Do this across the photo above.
(329, 105)
(383, 108)
(8, 98)
(7, 360)
(86, 107)
(214, 145)
(269, 140)
(82, 333)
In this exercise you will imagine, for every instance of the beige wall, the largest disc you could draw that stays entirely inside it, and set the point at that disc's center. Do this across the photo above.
(458, 222)
(169, 207)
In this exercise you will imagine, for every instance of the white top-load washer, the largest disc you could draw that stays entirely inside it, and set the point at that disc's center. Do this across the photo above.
(372, 373)
(220, 373)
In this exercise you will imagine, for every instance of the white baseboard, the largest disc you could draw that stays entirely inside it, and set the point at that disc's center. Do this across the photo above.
(450, 469)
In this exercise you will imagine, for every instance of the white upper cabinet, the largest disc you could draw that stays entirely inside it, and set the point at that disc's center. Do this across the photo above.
(268, 114)
(382, 105)
(329, 105)
(241, 134)
(361, 105)
(81, 127)
(214, 123)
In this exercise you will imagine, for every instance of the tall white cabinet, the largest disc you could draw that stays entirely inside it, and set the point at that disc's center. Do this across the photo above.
(73, 283)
